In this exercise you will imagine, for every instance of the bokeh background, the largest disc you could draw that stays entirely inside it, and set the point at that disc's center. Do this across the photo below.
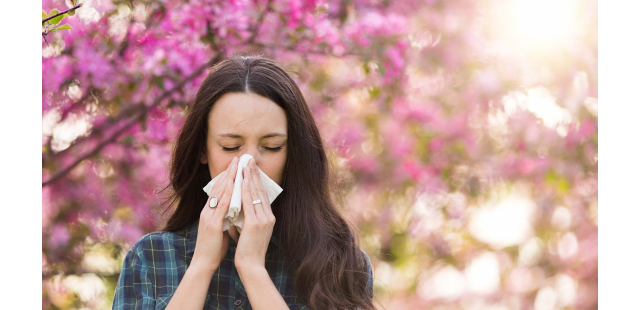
(466, 132)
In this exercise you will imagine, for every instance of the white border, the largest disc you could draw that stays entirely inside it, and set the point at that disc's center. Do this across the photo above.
(619, 154)
(21, 161)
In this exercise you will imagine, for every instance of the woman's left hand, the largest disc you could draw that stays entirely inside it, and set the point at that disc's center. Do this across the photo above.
(258, 221)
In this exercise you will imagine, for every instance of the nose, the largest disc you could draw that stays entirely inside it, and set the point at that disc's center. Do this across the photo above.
(255, 154)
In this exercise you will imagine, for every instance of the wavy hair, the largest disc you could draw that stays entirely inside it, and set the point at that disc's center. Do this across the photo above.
(319, 244)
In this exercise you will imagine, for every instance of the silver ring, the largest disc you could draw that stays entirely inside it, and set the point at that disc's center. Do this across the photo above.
(214, 202)
(257, 201)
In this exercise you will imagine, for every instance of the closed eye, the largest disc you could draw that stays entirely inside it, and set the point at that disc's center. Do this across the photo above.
(270, 149)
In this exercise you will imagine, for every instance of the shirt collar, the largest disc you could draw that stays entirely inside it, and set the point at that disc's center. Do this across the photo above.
(192, 236)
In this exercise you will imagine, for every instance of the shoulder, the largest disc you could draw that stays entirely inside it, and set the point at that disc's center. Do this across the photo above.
(365, 258)
(367, 262)
(157, 243)
(150, 240)
(136, 285)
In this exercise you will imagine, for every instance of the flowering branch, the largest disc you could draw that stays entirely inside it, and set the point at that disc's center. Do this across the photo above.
(124, 113)
(143, 110)
(61, 13)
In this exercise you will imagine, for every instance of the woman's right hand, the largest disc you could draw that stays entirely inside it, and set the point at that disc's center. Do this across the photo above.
(212, 243)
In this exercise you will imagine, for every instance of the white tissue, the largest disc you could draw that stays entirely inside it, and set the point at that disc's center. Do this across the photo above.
(234, 216)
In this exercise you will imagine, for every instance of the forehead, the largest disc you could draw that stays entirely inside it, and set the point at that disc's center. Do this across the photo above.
(246, 113)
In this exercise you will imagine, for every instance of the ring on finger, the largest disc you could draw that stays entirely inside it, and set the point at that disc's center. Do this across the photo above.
(214, 202)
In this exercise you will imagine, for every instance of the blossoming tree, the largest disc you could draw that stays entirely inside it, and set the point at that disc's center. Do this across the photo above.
(467, 137)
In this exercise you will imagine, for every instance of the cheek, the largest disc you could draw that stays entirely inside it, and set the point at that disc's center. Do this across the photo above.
(275, 169)
(216, 168)
(219, 161)
(221, 168)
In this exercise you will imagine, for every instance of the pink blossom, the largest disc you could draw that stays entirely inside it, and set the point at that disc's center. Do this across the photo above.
(410, 94)
(59, 236)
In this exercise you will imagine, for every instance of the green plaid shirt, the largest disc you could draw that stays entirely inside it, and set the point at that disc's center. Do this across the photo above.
(155, 265)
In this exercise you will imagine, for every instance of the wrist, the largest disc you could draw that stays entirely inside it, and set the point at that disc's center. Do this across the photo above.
(248, 269)
(205, 269)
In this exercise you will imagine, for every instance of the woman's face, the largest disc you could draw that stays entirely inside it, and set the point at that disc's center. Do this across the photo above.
(241, 123)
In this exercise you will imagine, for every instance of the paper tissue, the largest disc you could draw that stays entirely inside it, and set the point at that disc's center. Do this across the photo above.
(234, 215)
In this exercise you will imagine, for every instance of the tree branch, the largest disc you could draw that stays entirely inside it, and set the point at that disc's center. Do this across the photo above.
(141, 109)
(267, 9)
(63, 12)
(144, 109)
(63, 117)
(98, 130)
(124, 113)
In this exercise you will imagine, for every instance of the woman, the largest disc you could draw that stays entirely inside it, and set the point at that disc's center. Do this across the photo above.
(298, 253)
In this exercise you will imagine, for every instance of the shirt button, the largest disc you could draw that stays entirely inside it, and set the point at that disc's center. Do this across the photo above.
(238, 302)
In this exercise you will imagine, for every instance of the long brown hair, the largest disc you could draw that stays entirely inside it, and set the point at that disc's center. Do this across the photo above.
(319, 244)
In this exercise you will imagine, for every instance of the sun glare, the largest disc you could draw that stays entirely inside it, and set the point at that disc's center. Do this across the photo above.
(543, 21)
(535, 25)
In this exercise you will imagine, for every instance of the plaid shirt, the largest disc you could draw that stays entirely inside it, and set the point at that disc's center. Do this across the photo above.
(155, 265)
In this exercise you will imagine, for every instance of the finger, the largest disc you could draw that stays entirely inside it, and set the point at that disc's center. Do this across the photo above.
(206, 205)
(225, 175)
(257, 207)
(223, 204)
(260, 192)
(266, 205)
(233, 169)
(257, 182)
(249, 210)
(219, 195)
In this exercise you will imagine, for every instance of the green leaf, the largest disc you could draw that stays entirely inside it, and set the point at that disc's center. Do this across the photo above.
(374, 92)
(556, 180)
(44, 14)
(64, 27)
(55, 21)
(53, 12)
(365, 67)
(71, 13)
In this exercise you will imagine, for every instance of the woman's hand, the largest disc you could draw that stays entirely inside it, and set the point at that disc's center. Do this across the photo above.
(258, 221)
(212, 243)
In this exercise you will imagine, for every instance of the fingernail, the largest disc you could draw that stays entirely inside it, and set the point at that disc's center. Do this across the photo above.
(235, 159)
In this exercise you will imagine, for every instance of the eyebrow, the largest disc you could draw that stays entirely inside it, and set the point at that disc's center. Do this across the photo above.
(269, 135)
